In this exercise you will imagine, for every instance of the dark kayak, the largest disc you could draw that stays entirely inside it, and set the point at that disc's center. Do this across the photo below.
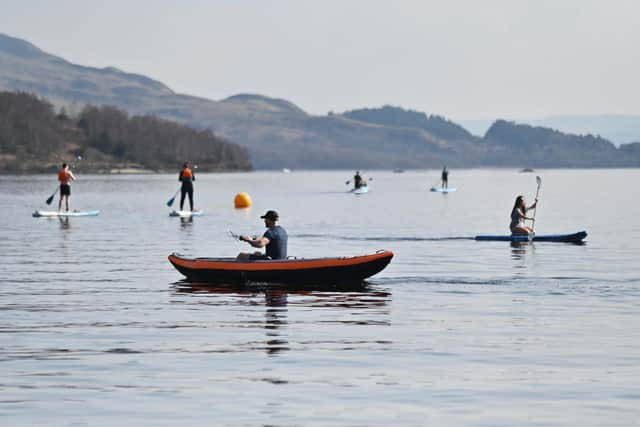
(572, 238)
(292, 270)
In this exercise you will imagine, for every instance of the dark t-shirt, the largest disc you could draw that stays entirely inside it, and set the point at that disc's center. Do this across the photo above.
(277, 247)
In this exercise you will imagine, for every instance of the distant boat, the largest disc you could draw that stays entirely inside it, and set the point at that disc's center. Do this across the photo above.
(398, 170)
(526, 170)
(285, 170)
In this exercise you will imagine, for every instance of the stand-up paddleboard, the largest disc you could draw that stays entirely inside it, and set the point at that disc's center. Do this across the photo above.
(571, 238)
(362, 190)
(443, 190)
(52, 214)
(186, 214)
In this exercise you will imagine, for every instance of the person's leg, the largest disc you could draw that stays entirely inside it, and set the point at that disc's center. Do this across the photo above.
(67, 200)
(183, 193)
(520, 231)
(191, 199)
(60, 202)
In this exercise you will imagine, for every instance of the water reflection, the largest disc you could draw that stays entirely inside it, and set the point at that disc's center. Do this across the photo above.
(523, 255)
(186, 222)
(275, 320)
(64, 222)
(366, 306)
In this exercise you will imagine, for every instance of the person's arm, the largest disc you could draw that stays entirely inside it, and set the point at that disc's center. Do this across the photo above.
(71, 176)
(532, 206)
(180, 176)
(256, 242)
(522, 214)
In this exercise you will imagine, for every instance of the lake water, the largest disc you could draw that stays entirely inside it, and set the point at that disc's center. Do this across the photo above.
(98, 329)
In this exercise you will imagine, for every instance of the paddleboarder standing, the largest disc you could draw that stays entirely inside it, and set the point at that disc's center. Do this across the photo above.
(519, 215)
(445, 178)
(65, 176)
(187, 177)
(274, 239)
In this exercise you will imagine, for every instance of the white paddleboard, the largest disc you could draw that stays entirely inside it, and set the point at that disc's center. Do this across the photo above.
(186, 214)
(443, 190)
(51, 214)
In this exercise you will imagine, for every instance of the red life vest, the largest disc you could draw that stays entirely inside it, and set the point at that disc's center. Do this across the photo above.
(186, 173)
(63, 176)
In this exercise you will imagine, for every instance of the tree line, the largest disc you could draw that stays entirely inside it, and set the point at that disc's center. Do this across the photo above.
(36, 138)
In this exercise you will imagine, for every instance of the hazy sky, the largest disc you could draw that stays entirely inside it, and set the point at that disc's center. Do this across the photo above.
(472, 59)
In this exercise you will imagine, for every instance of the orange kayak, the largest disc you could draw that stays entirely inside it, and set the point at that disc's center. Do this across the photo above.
(292, 270)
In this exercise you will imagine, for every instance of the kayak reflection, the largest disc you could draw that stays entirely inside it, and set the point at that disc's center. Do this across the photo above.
(284, 305)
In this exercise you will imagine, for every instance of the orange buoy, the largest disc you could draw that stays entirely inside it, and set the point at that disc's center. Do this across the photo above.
(242, 200)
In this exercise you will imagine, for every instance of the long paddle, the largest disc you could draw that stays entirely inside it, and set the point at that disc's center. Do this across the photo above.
(533, 220)
(171, 200)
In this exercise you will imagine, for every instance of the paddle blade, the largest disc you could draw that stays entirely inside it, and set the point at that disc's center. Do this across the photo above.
(170, 201)
(50, 199)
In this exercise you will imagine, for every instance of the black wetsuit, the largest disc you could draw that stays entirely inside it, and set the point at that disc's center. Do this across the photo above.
(357, 181)
(187, 187)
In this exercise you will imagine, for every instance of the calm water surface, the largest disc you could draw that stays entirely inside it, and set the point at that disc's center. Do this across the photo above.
(97, 328)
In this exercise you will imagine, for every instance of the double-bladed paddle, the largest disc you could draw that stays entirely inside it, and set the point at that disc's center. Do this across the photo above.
(347, 182)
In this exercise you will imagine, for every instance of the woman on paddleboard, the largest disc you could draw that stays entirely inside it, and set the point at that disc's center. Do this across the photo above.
(187, 177)
(519, 215)
(65, 177)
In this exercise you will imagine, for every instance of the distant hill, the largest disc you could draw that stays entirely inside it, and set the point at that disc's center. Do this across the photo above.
(617, 128)
(279, 134)
(543, 147)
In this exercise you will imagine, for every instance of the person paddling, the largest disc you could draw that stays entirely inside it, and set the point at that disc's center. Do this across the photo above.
(187, 177)
(358, 181)
(519, 215)
(65, 176)
(274, 239)
(445, 178)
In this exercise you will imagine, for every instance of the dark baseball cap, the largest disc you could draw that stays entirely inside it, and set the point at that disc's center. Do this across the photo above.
(270, 215)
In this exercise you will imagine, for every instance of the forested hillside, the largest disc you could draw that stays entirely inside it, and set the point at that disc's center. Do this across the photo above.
(36, 138)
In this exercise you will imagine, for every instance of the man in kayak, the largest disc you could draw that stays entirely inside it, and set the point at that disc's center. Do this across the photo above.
(445, 178)
(65, 176)
(274, 239)
(518, 216)
(187, 177)
(357, 181)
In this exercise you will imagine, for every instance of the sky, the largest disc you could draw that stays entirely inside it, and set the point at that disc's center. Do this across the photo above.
(465, 60)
